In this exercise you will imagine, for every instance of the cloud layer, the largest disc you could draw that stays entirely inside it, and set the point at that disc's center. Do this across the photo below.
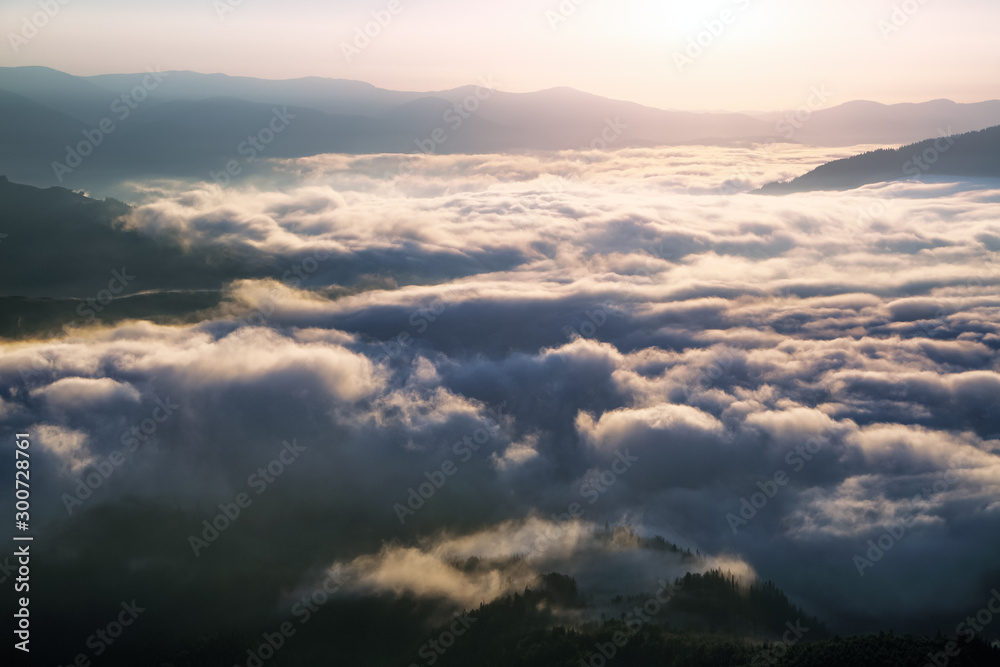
(470, 349)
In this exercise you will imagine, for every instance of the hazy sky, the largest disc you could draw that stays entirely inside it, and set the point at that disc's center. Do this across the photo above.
(768, 55)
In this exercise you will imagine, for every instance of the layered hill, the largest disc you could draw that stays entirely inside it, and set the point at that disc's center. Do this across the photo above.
(190, 125)
(970, 155)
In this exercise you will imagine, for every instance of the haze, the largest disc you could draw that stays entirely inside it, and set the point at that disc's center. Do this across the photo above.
(767, 57)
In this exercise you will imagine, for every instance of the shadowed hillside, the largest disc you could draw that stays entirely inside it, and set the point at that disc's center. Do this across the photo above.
(189, 124)
(974, 154)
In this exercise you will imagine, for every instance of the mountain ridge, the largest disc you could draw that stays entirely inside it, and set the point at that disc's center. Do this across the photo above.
(355, 117)
(968, 155)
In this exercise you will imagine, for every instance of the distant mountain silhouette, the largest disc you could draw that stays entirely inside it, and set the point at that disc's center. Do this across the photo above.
(32, 135)
(969, 155)
(864, 122)
(190, 124)
(74, 96)
(333, 96)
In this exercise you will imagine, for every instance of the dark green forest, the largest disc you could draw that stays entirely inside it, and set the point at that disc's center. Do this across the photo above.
(710, 620)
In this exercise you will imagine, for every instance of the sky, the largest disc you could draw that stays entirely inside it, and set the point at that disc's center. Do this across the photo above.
(754, 54)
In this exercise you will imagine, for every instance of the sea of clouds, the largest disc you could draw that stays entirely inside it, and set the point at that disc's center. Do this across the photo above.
(518, 326)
